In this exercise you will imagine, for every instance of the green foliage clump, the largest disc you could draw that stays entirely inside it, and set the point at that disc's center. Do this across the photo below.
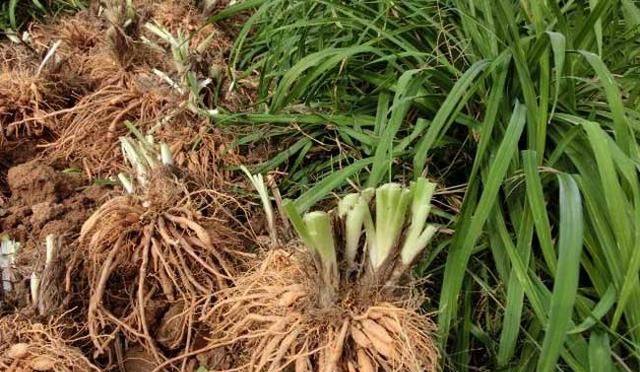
(528, 110)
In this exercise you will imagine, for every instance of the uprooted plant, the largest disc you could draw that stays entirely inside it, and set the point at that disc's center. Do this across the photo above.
(152, 73)
(29, 346)
(31, 89)
(151, 256)
(338, 304)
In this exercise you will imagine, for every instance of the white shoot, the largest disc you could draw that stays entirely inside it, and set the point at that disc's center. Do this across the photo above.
(133, 153)
(316, 231)
(126, 183)
(50, 244)
(418, 236)
(8, 250)
(50, 53)
(354, 210)
(168, 80)
(144, 155)
(165, 154)
(392, 201)
(258, 183)
(34, 285)
(320, 232)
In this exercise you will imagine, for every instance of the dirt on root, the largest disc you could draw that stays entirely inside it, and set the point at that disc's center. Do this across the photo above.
(40, 346)
(17, 153)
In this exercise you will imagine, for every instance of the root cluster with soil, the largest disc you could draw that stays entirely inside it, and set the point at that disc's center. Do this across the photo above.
(148, 255)
(28, 346)
(328, 303)
(271, 319)
(102, 69)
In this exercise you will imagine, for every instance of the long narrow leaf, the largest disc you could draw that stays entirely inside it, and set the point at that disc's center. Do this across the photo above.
(566, 283)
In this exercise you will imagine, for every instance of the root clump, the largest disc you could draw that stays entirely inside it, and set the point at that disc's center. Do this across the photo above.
(106, 67)
(333, 303)
(28, 346)
(151, 261)
(273, 320)
(139, 269)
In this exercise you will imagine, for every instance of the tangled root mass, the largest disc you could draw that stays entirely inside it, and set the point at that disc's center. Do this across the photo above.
(271, 318)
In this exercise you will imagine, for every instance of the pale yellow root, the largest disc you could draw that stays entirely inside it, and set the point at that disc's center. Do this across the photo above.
(28, 346)
(90, 130)
(140, 261)
(272, 314)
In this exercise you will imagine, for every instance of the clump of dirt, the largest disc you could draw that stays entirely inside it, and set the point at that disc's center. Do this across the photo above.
(33, 183)
(16, 152)
(43, 201)
(46, 201)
